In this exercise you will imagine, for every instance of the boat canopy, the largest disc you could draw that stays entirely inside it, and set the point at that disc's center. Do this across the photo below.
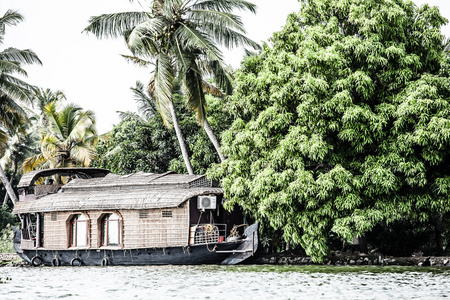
(111, 192)
(29, 179)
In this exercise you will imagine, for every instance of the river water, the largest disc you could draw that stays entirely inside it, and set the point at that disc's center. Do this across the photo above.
(224, 282)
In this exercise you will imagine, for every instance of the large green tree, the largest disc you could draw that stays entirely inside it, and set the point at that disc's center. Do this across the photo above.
(343, 123)
(180, 38)
(13, 90)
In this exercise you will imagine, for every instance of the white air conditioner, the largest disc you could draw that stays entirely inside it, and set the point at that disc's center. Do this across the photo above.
(206, 202)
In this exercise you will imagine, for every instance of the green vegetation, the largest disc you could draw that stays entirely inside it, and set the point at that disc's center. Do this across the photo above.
(12, 89)
(343, 125)
(181, 39)
(68, 138)
(339, 129)
(144, 143)
(6, 240)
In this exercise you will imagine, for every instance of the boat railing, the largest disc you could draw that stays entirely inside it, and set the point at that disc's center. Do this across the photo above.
(207, 233)
(26, 234)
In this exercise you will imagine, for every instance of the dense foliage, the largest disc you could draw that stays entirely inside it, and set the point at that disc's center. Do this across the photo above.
(147, 145)
(181, 38)
(344, 124)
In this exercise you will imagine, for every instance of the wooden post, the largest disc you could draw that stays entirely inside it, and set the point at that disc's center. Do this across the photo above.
(38, 230)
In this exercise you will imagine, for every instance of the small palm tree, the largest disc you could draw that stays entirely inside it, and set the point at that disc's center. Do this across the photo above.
(12, 89)
(68, 141)
(180, 37)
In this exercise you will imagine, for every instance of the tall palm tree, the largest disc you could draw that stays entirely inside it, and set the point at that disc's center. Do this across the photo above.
(68, 141)
(180, 37)
(12, 89)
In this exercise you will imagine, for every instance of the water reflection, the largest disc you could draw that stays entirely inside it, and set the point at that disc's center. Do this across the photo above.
(225, 282)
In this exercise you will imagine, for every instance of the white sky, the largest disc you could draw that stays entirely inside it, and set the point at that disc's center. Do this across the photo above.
(91, 72)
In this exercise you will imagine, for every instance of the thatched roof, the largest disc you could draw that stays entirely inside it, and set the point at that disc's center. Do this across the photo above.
(135, 191)
(31, 177)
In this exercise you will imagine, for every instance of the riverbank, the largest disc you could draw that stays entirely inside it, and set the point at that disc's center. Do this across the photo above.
(289, 258)
(11, 259)
(352, 258)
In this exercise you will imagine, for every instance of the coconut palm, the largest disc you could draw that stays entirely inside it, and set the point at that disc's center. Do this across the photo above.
(180, 38)
(20, 146)
(68, 141)
(12, 89)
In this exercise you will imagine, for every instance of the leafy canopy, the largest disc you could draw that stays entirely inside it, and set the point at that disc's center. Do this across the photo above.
(343, 123)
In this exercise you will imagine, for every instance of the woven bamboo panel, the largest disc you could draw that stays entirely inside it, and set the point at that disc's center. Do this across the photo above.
(156, 230)
(56, 232)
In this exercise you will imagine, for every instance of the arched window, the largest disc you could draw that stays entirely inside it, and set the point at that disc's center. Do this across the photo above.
(111, 230)
(78, 232)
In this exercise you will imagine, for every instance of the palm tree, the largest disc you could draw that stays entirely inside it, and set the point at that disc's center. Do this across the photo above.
(20, 146)
(68, 141)
(12, 89)
(180, 37)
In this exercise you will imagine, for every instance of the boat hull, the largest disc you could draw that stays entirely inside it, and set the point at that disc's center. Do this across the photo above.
(191, 255)
(213, 253)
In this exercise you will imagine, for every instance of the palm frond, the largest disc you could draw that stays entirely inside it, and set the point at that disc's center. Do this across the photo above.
(128, 115)
(225, 5)
(227, 36)
(53, 116)
(82, 155)
(20, 56)
(137, 61)
(169, 8)
(3, 142)
(195, 97)
(15, 88)
(163, 85)
(211, 89)
(34, 162)
(142, 38)
(10, 18)
(146, 105)
(191, 39)
(220, 18)
(115, 24)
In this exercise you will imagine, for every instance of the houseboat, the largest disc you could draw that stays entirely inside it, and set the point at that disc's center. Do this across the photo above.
(90, 216)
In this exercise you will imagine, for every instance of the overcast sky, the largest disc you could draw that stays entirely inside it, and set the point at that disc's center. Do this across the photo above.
(91, 72)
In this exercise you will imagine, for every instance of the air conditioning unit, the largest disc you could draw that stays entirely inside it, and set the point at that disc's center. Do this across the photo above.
(206, 202)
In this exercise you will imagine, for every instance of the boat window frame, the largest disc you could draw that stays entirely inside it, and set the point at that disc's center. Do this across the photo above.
(70, 229)
(100, 228)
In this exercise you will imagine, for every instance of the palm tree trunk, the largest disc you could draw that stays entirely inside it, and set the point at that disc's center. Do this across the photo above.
(213, 139)
(180, 138)
(5, 200)
(8, 186)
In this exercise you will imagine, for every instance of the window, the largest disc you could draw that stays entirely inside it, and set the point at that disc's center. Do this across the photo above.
(111, 230)
(167, 214)
(143, 214)
(78, 232)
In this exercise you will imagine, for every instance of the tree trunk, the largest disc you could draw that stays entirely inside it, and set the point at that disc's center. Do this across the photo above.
(213, 139)
(180, 138)
(8, 186)
(5, 200)
(438, 234)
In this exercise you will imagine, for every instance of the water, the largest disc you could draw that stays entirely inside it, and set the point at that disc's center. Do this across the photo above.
(225, 282)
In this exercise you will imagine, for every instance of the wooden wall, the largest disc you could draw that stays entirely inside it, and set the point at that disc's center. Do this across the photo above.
(154, 230)
(56, 232)
(139, 228)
